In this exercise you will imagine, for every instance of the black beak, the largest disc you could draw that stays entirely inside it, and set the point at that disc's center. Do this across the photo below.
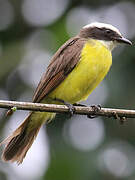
(123, 40)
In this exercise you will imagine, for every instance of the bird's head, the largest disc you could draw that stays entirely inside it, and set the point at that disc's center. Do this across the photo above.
(106, 33)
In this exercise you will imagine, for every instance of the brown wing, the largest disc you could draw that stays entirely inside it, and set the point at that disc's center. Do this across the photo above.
(62, 63)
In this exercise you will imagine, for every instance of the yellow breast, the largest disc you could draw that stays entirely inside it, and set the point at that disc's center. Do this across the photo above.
(94, 64)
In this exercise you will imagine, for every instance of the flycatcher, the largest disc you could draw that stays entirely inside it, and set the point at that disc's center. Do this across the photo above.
(75, 70)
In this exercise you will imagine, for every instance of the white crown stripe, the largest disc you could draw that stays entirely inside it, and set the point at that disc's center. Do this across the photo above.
(102, 25)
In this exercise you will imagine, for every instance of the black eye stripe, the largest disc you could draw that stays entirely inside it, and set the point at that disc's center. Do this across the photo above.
(108, 31)
(99, 33)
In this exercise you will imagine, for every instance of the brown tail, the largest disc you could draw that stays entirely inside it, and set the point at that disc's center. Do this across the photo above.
(19, 142)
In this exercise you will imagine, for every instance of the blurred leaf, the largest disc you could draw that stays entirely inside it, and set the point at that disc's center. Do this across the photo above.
(11, 57)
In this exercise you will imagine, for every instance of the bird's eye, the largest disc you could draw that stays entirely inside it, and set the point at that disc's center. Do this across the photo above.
(108, 31)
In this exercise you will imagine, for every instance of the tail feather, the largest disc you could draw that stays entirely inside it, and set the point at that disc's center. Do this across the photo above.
(22, 138)
(19, 142)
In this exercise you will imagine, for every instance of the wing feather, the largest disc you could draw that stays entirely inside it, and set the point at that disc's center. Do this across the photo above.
(62, 63)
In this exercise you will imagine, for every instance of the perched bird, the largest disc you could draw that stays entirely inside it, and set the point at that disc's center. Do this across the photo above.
(75, 70)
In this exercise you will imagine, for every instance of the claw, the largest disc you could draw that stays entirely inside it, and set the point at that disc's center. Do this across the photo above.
(70, 106)
(95, 108)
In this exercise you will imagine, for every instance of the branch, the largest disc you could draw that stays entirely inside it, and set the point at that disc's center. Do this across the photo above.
(108, 112)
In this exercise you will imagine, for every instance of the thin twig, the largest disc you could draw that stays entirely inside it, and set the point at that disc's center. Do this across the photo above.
(108, 112)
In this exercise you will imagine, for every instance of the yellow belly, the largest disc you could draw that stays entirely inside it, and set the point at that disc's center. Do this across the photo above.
(94, 64)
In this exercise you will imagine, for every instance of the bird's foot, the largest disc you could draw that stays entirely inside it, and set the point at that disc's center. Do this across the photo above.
(70, 106)
(95, 108)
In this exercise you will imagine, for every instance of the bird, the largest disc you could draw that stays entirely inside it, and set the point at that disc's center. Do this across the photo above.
(75, 70)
